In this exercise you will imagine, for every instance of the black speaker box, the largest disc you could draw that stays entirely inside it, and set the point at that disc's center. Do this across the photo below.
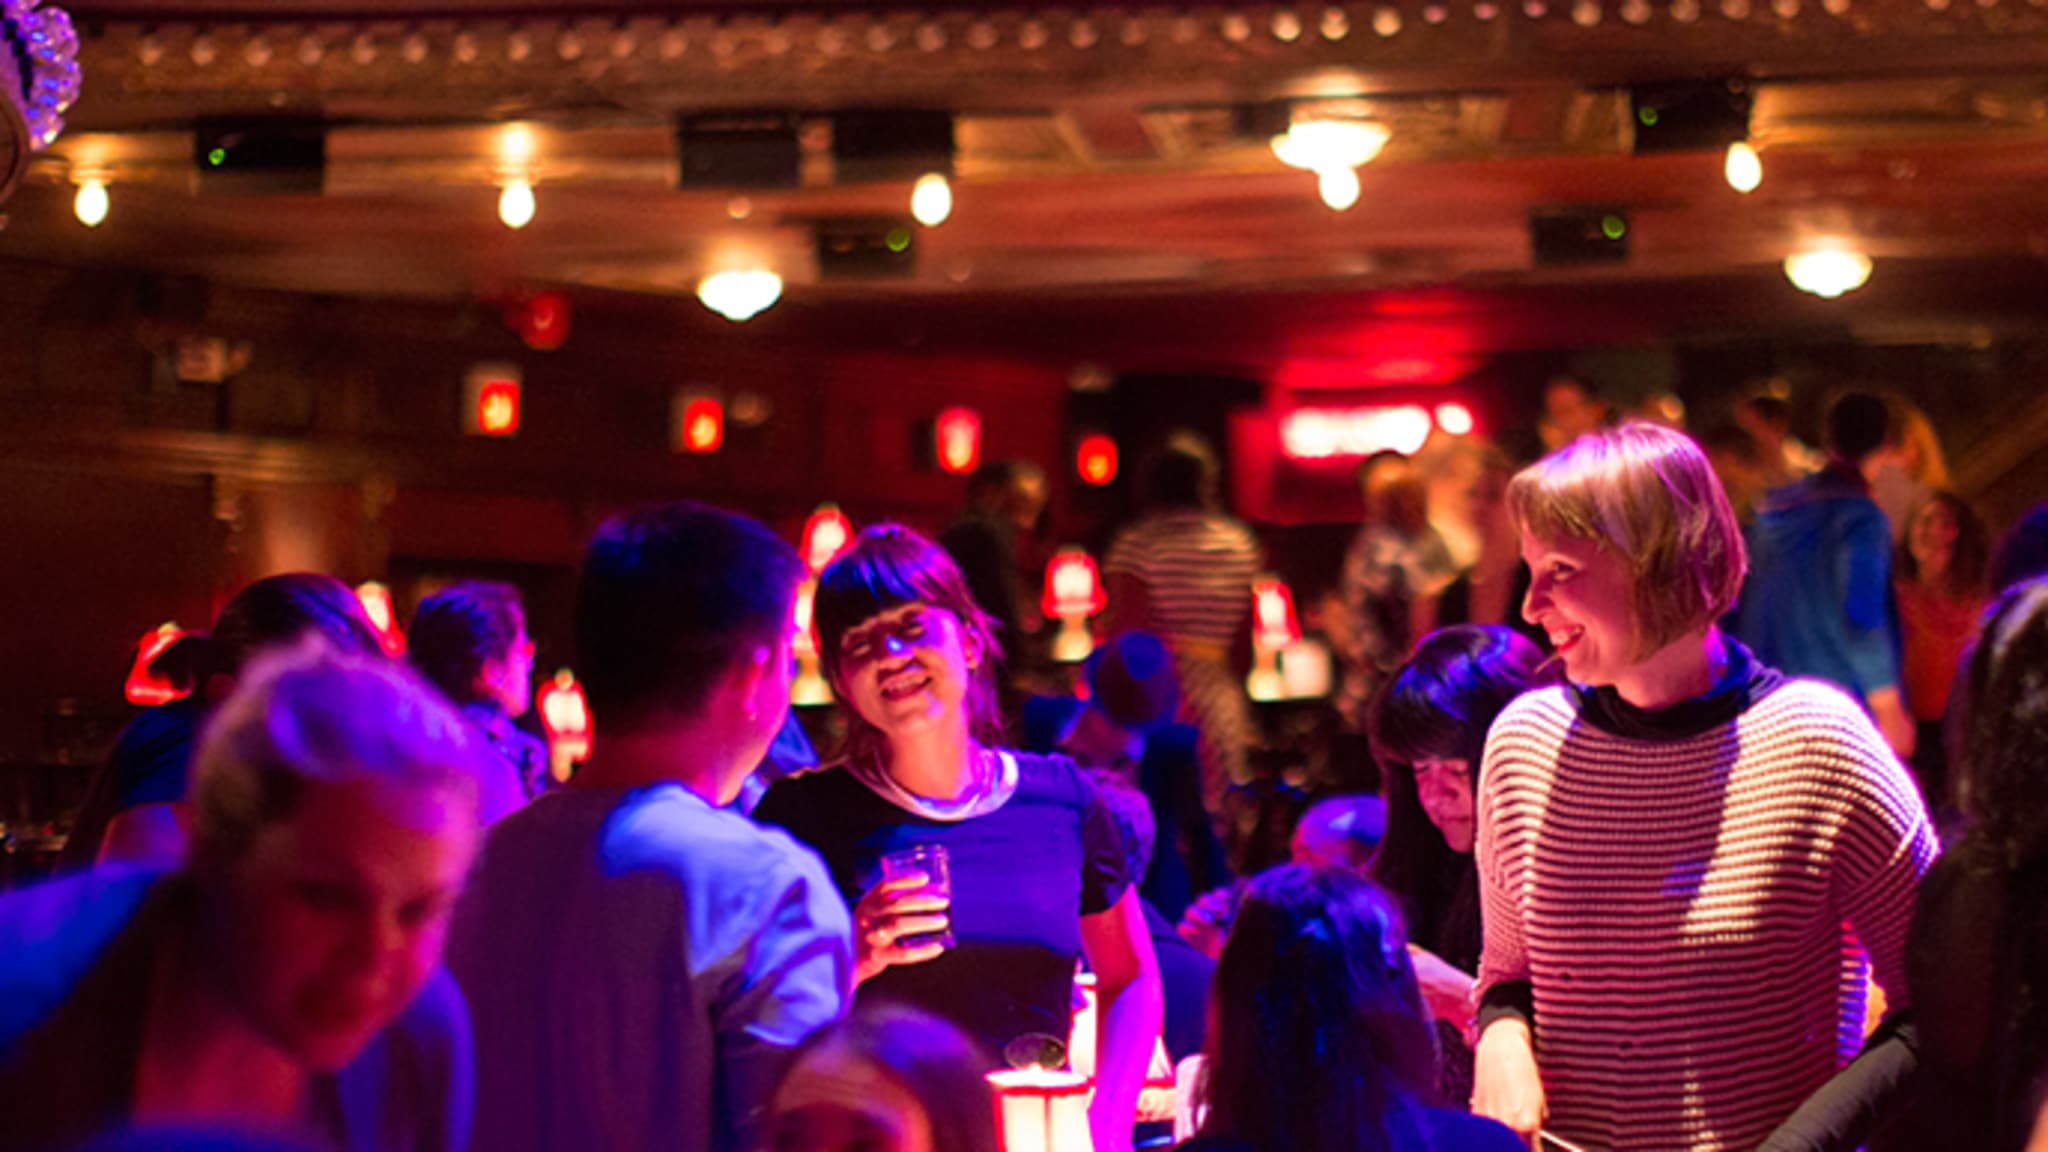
(1567, 236)
(1689, 116)
(269, 155)
(866, 249)
(739, 150)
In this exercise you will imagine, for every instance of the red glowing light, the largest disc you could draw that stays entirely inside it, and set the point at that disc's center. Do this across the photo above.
(543, 321)
(1095, 460)
(957, 436)
(144, 687)
(703, 424)
(805, 643)
(1073, 587)
(1455, 419)
(497, 408)
(565, 717)
(376, 601)
(1320, 433)
(1274, 624)
(826, 534)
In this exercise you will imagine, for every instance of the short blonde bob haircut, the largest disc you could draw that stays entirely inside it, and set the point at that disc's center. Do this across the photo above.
(1646, 494)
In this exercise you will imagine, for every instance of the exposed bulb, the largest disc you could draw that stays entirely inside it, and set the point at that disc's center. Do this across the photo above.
(1744, 168)
(1339, 187)
(740, 294)
(1828, 272)
(515, 204)
(931, 202)
(90, 205)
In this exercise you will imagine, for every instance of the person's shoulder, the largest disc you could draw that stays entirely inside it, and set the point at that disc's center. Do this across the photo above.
(52, 933)
(1452, 1131)
(1042, 775)
(1816, 709)
(825, 795)
(1539, 710)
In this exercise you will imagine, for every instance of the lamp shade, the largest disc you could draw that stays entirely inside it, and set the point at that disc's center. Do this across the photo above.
(826, 534)
(1073, 587)
(1042, 1110)
(566, 718)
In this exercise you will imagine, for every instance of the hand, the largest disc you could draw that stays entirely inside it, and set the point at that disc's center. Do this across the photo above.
(890, 911)
(1206, 923)
(1446, 992)
(1505, 1082)
(1894, 723)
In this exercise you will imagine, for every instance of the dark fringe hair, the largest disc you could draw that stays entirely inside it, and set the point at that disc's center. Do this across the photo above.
(887, 567)
(1972, 555)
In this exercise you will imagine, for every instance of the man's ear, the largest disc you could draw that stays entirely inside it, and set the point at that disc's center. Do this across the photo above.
(749, 675)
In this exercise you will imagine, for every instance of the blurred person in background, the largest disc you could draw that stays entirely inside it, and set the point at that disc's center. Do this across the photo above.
(1320, 1042)
(1038, 866)
(135, 809)
(885, 1079)
(1818, 601)
(1909, 467)
(1342, 831)
(1490, 589)
(992, 542)
(1184, 573)
(1941, 590)
(470, 640)
(1571, 409)
(1429, 730)
(1393, 571)
(286, 976)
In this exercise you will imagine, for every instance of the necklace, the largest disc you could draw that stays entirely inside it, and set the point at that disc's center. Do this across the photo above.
(993, 779)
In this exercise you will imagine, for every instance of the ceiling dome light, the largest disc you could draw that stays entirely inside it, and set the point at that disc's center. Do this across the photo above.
(1338, 187)
(1827, 272)
(740, 295)
(1320, 145)
(1743, 168)
(90, 205)
(931, 202)
(515, 204)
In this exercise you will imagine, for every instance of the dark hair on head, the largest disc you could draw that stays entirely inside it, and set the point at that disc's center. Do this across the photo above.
(1131, 680)
(1439, 706)
(1858, 423)
(2003, 785)
(887, 567)
(995, 477)
(1735, 440)
(2023, 554)
(1770, 409)
(274, 610)
(670, 597)
(1180, 473)
(456, 630)
(925, 1055)
(1318, 1040)
(1970, 557)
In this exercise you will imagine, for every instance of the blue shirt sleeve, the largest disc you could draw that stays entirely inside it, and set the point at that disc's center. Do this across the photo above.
(1864, 575)
(1105, 862)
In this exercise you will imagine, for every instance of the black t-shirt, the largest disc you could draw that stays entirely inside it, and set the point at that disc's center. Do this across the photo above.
(1023, 876)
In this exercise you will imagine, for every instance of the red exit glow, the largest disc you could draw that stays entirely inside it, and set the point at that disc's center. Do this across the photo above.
(957, 435)
(1095, 460)
(497, 408)
(703, 424)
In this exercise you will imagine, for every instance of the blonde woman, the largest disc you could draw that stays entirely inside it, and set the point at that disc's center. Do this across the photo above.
(1671, 846)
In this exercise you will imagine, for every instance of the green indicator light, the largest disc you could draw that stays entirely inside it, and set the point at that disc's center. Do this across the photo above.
(217, 157)
(1613, 227)
(899, 240)
(1647, 116)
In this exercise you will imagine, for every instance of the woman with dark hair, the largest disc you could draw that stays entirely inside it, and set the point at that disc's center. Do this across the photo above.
(470, 640)
(1318, 1040)
(134, 810)
(1938, 580)
(1978, 958)
(1184, 573)
(1429, 728)
(1038, 868)
(886, 1079)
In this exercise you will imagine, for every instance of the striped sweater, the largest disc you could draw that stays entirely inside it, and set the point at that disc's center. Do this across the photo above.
(1686, 912)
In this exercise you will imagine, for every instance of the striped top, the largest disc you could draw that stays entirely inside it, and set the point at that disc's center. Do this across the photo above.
(1197, 568)
(1683, 910)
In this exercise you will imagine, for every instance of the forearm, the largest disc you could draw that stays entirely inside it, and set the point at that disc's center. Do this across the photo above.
(1127, 1027)
(1855, 1105)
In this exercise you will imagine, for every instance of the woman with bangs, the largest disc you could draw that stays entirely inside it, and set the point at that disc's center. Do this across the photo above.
(1039, 872)
(1676, 848)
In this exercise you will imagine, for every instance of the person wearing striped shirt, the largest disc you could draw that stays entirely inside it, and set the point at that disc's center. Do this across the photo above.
(1684, 857)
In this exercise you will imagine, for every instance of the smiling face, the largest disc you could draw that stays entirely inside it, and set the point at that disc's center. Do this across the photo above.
(908, 668)
(326, 926)
(1933, 539)
(1445, 789)
(1582, 595)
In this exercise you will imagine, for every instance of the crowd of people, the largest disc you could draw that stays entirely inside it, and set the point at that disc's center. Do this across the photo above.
(1671, 733)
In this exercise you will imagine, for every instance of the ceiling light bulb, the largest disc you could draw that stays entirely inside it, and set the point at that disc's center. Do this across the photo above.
(932, 200)
(1744, 168)
(741, 294)
(1338, 187)
(515, 204)
(1828, 272)
(90, 204)
(1320, 145)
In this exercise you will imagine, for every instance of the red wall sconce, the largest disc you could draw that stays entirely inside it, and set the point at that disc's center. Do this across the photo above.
(826, 534)
(697, 423)
(956, 439)
(491, 400)
(1073, 592)
(565, 717)
(1095, 459)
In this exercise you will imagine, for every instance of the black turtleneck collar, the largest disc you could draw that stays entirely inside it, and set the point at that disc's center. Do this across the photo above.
(1746, 681)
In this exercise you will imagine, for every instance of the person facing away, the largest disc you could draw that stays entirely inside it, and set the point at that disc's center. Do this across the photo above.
(1319, 1042)
(641, 962)
(286, 976)
(1819, 592)
(470, 640)
(1005, 499)
(885, 1079)
(135, 810)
